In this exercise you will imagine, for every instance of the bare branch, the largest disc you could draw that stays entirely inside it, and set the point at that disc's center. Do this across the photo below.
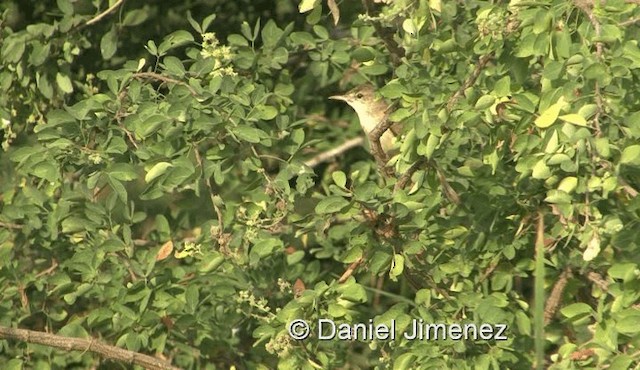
(396, 51)
(470, 81)
(350, 270)
(10, 225)
(376, 148)
(332, 153)
(100, 16)
(159, 77)
(556, 294)
(586, 7)
(85, 345)
(405, 178)
(212, 194)
(631, 21)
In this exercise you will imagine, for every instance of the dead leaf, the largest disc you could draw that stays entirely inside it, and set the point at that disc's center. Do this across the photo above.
(335, 11)
(298, 288)
(165, 251)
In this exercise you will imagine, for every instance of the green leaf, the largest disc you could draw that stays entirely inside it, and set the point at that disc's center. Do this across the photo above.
(624, 271)
(575, 119)
(122, 171)
(118, 188)
(485, 102)
(503, 87)
(173, 65)
(307, 5)
(549, 116)
(397, 266)
(404, 361)
(64, 83)
(150, 125)
(109, 43)
(249, 134)
(568, 184)
(135, 17)
(46, 170)
(66, 6)
(331, 204)
(576, 309)
(630, 154)
(266, 112)
(271, 34)
(541, 170)
(363, 54)
(339, 178)
(157, 170)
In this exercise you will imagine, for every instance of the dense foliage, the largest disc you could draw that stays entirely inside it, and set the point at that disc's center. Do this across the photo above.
(154, 194)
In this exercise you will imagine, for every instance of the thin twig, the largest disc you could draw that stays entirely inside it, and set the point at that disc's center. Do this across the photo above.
(159, 77)
(598, 280)
(405, 178)
(350, 270)
(586, 7)
(54, 265)
(395, 51)
(332, 153)
(470, 81)
(10, 225)
(629, 22)
(212, 194)
(100, 16)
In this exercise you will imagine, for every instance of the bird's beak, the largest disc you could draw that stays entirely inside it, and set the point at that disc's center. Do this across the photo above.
(338, 97)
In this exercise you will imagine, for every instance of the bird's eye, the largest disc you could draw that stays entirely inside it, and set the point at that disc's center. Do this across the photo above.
(359, 95)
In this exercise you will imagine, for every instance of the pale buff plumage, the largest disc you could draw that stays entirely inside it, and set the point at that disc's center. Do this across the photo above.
(371, 110)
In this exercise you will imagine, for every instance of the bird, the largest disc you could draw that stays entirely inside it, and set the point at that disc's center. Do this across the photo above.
(371, 110)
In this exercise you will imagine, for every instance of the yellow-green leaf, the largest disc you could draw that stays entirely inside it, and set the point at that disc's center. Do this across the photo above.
(575, 119)
(630, 154)
(157, 170)
(306, 5)
(64, 83)
(549, 116)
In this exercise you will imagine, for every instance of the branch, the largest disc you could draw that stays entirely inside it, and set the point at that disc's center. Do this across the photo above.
(332, 153)
(85, 345)
(212, 194)
(159, 77)
(556, 293)
(629, 22)
(585, 6)
(598, 280)
(404, 179)
(396, 51)
(100, 16)
(470, 81)
(10, 225)
(376, 148)
(350, 270)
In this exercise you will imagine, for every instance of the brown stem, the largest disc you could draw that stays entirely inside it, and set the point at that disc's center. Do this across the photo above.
(556, 294)
(85, 345)
(159, 77)
(332, 153)
(470, 81)
(395, 51)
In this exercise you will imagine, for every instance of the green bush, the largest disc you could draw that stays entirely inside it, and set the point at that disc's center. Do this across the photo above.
(155, 195)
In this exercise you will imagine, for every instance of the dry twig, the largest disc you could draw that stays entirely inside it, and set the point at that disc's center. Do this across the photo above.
(332, 153)
(85, 345)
